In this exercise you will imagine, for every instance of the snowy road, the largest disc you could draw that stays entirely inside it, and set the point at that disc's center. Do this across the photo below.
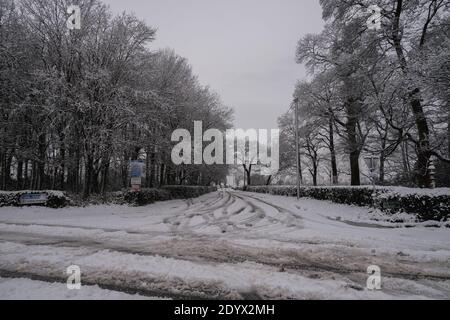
(228, 245)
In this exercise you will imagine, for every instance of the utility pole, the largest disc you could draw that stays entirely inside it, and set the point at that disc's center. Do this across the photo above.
(297, 147)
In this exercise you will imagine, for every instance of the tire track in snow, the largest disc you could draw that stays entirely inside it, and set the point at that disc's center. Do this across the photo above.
(170, 287)
(342, 223)
(109, 230)
(208, 251)
(291, 220)
(183, 223)
(144, 286)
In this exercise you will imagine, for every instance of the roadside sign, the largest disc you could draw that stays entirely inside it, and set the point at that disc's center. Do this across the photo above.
(135, 187)
(136, 181)
(136, 169)
(33, 198)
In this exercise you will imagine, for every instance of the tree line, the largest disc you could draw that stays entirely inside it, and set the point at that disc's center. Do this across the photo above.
(380, 93)
(77, 106)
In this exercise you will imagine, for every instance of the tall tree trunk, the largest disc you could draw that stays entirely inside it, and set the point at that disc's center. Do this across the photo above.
(71, 172)
(88, 172)
(105, 175)
(300, 170)
(162, 175)
(382, 168)
(95, 187)
(124, 172)
(7, 159)
(19, 174)
(423, 144)
(41, 163)
(334, 170)
(448, 129)
(54, 175)
(153, 170)
(354, 152)
(423, 149)
(25, 184)
(383, 157)
(147, 167)
(33, 175)
(405, 156)
(314, 174)
(62, 183)
(248, 173)
(2, 170)
(171, 176)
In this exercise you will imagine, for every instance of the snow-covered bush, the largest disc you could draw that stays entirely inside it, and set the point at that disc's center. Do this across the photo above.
(147, 196)
(9, 199)
(186, 192)
(423, 203)
(55, 199)
(360, 196)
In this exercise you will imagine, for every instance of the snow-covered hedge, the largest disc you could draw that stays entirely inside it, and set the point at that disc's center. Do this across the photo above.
(360, 196)
(186, 192)
(425, 204)
(55, 199)
(147, 196)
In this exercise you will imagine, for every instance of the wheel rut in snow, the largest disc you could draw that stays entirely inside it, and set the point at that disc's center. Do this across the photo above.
(144, 286)
(209, 252)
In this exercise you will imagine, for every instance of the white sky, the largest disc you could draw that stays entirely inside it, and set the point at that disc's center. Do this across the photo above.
(243, 49)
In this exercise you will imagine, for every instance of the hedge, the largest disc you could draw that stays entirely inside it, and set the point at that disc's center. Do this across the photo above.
(55, 199)
(186, 192)
(148, 196)
(423, 203)
(426, 206)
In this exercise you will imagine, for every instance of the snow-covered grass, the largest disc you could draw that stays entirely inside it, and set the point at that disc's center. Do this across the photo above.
(26, 289)
(423, 204)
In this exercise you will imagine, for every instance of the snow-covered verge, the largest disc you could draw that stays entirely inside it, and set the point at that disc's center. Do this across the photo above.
(58, 199)
(26, 289)
(424, 204)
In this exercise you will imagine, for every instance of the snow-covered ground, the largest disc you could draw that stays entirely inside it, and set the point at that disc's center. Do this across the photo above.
(20, 289)
(222, 245)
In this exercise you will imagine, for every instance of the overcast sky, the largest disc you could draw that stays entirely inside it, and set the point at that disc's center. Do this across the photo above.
(243, 49)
